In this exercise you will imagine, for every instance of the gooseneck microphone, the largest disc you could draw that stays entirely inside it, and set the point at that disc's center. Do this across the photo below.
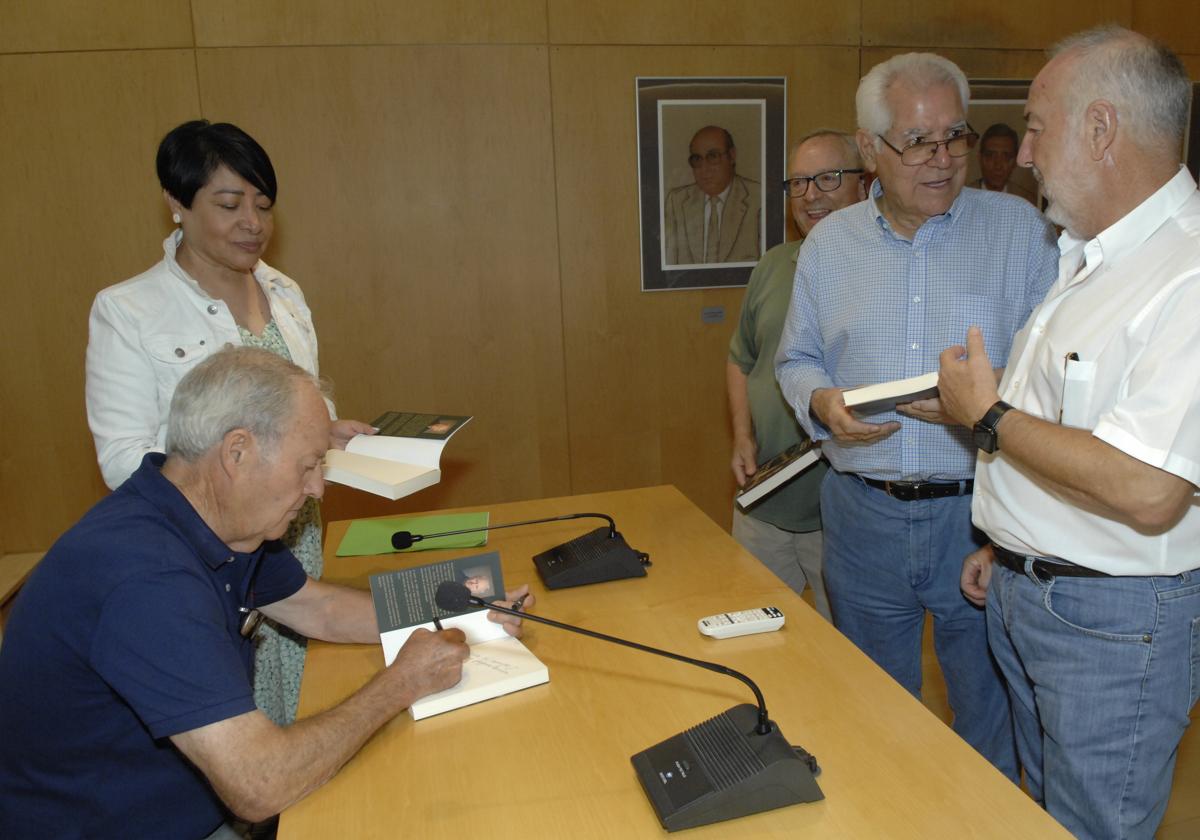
(406, 539)
(452, 596)
(731, 765)
(597, 556)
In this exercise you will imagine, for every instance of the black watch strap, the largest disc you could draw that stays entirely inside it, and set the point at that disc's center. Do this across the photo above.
(984, 433)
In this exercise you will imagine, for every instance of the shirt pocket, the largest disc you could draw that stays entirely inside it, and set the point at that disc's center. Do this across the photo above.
(172, 356)
(1079, 383)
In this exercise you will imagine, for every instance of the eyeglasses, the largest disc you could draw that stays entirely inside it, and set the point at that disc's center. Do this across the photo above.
(825, 181)
(710, 157)
(920, 153)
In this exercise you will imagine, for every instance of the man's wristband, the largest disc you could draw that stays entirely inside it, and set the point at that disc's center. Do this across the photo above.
(984, 434)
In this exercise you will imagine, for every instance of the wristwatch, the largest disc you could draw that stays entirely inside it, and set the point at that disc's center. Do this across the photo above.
(984, 432)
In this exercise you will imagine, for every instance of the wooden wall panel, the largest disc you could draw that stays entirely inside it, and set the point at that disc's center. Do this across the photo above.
(60, 25)
(233, 23)
(1016, 24)
(1174, 22)
(702, 22)
(977, 64)
(81, 210)
(645, 377)
(416, 210)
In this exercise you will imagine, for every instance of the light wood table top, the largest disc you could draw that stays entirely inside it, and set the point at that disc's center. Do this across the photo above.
(553, 760)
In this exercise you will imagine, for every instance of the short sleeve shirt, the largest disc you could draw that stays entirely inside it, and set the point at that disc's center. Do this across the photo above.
(127, 633)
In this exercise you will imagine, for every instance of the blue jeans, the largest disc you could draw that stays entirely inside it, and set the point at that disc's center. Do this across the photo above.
(886, 563)
(1102, 673)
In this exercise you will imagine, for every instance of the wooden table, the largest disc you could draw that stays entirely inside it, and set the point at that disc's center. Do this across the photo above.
(553, 760)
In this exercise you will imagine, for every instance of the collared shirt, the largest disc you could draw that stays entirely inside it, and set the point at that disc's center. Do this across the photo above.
(125, 634)
(870, 306)
(796, 505)
(1126, 304)
(146, 333)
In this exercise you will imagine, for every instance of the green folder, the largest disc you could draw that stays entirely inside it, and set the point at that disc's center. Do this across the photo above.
(374, 536)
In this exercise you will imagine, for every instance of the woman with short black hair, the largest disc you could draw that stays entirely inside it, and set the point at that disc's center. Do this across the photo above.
(210, 289)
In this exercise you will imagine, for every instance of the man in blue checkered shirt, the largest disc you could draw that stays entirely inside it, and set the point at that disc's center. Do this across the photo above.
(881, 289)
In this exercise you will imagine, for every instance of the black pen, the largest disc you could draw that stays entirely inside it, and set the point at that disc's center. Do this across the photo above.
(437, 623)
(516, 605)
(1062, 402)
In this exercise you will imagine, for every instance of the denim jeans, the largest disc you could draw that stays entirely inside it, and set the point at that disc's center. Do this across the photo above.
(1102, 673)
(886, 563)
(794, 556)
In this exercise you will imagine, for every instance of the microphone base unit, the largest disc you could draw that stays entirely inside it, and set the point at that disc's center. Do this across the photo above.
(597, 556)
(722, 769)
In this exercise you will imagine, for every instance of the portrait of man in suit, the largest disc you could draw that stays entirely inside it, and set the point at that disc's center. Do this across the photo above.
(718, 217)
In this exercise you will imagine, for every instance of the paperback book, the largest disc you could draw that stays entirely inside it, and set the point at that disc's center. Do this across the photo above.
(874, 399)
(404, 456)
(778, 471)
(499, 664)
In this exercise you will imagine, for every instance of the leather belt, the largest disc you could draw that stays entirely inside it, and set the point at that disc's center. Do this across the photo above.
(915, 491)
(1044, 569)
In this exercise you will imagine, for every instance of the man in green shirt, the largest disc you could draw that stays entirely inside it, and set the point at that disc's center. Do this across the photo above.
(783, 530)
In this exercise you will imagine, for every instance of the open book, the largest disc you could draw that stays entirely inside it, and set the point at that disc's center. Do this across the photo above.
(873, 399)
(778, 471)
(403, 457)
(499, 664)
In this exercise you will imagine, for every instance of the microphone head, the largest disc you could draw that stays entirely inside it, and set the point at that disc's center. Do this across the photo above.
(402, 540)
(452, 596)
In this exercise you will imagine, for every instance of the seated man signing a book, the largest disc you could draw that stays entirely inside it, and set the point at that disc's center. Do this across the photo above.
(126, 694)
(881, 289)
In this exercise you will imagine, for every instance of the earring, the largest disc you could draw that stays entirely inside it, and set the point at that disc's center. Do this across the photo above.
(176, 218)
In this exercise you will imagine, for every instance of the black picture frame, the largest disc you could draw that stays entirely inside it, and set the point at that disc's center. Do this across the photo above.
(669, 112)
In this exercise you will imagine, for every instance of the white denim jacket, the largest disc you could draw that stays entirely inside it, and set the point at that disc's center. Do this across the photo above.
(144, 334)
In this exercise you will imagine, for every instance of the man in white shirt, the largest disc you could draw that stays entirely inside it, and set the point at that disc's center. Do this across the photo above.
(1087, 490)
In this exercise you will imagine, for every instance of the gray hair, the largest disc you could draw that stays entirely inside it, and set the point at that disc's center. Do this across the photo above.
(924, 70)
(852, 153)
(235, 388)
(1143, 79)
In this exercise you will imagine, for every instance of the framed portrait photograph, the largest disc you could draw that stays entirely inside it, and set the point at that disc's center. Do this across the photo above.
(710, 166)
(997, 112)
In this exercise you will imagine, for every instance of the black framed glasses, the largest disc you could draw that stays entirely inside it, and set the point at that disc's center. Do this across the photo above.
(916, 154)
(825, 181)
(710, 157)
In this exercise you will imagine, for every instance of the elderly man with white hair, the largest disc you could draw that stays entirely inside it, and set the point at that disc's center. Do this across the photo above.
(881, 289)
(126, 701)
(1088, 486)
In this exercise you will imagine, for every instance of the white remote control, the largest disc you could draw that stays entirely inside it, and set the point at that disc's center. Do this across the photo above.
(743, 623)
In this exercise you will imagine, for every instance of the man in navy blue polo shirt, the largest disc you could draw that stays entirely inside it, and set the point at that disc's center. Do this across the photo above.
(126, 697)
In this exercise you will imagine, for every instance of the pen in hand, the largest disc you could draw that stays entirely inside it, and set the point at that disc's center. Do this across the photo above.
(516, 605)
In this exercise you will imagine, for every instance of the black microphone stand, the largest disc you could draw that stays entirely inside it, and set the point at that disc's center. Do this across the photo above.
(403, 539)
(764, 723)
(728, 766)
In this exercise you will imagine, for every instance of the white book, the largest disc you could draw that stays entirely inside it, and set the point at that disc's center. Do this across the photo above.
(777, 471)
(873, 399)
(495, 668)
(402, 458)
(404, 600)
